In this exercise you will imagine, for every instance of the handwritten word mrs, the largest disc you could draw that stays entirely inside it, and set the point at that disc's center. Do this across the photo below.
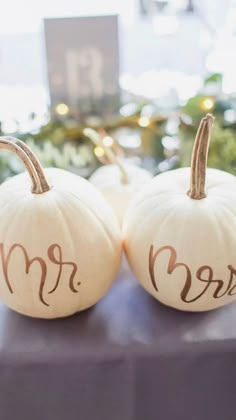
(204, 274)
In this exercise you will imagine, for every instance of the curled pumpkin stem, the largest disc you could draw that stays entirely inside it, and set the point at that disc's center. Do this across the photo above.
(32, 165)
(111, 156)
(199, 158)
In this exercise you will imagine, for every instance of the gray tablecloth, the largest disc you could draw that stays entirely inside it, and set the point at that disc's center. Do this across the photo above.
(128, 358)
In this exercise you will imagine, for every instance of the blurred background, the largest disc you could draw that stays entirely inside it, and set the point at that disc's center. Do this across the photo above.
(141, 73)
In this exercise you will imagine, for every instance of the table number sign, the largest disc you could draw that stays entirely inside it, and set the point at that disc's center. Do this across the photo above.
(83, 63)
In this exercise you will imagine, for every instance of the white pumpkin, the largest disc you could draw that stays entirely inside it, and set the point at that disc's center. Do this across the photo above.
(60, 243)
(117, 190)
(181, 242)
(118, 181)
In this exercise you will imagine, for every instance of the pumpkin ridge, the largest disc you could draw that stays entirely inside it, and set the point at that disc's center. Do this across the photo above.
(94, 215)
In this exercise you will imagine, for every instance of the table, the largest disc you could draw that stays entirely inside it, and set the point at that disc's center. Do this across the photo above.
(127, 358)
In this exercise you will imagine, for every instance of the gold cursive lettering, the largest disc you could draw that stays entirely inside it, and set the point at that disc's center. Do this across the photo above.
(54, 255)
(203, 274)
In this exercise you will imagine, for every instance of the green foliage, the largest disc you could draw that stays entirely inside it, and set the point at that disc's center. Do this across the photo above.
(62, 143)
(213, 78)
(151, 141)
(194, 107)
(78, 158)
(222, 151)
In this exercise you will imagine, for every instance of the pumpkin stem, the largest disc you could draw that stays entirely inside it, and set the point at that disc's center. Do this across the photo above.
(112, 157)
(33, 167)
(199, 158)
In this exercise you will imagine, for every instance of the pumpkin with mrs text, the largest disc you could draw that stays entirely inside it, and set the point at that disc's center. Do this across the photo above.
(180, 233)
(60, 243)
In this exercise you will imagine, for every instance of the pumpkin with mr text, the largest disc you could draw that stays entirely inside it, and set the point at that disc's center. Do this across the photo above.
(180, 233)
(60, 244)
